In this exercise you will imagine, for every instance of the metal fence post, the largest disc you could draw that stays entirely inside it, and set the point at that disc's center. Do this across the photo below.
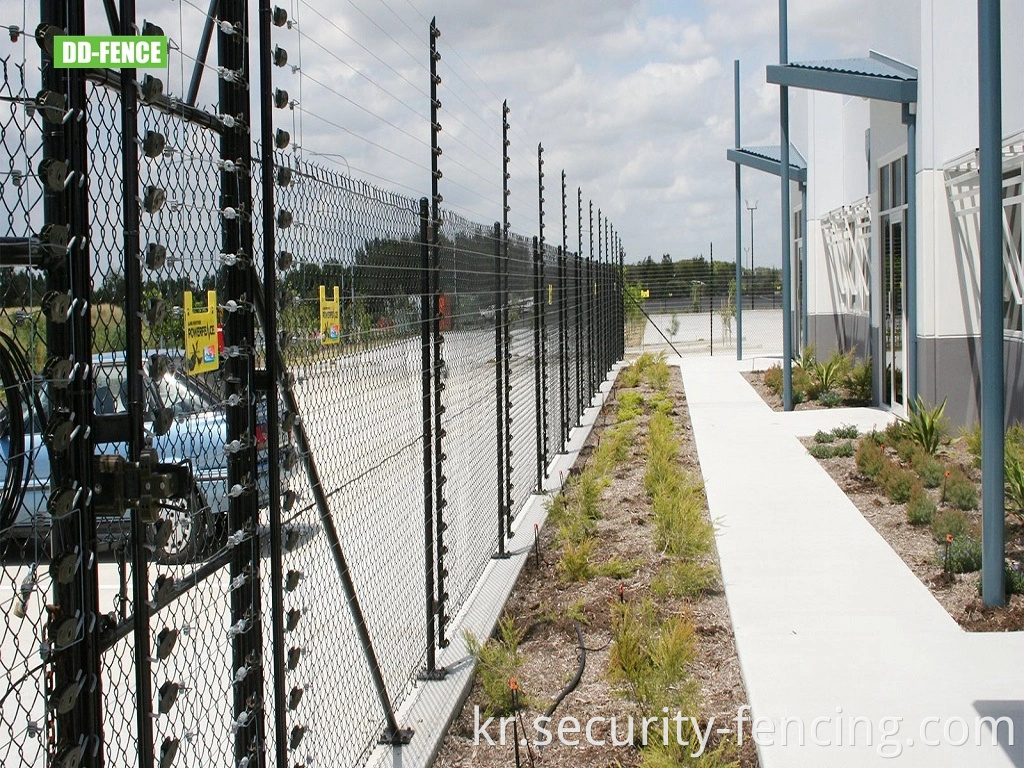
(76, 673)
(563, 368)
(542, 416)
(136, 441)
(243, 514)
(538, 309)
(273, 373)
(439, 370)
(426, 316)
(499, 389)
(591, 300)
(506, 355)
(579, 307)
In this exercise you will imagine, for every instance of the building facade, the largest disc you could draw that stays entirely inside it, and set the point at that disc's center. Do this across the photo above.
(892, 205)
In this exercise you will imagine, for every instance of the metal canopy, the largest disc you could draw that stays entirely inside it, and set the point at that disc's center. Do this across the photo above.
(766, 159)
(875, 77)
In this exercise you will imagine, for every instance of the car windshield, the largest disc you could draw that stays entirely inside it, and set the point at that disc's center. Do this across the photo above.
(184, 396)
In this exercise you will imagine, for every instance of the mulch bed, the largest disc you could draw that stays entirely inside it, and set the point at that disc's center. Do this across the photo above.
(541, 602)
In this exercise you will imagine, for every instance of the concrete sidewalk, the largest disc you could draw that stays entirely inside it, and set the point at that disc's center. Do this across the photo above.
(829, 622)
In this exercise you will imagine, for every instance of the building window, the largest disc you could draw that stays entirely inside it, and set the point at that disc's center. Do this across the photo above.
(1013, 272)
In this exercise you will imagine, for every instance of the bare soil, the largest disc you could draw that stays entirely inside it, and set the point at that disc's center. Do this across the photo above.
(545, 605)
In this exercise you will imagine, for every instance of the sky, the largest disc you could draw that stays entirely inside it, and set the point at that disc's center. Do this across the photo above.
(633, 99)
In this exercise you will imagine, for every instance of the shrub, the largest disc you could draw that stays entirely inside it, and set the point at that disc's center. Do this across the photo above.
(650, 656)
(926, 426)
(1014, 478)
(845, 432)
(1014, 579)
(895, 432)
(773, 379)
(684, 578)
(869, 457)
(617, 568)
(830, 374)
(972, 441)
(859, 382)
(824, 437)
(842, 449)
(963, 555)
(928, 468)
(959, 490)
(805, 384)
(631, 405)
(897, 482)
(950, 523)
(920, 507)
(497, 660)
(575, 563)
(830, 398)
(906, 449)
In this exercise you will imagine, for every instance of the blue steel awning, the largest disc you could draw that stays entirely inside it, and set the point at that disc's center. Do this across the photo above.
(875, 77)
(767, 159)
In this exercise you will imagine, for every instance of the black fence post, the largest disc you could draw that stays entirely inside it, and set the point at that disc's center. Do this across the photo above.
(136, 397)
(439, 370)
(246, 636)
(542, 416)
(591, 319)
(506, 357)
(499, 389)
(76, 670)
(580, 298)
(622, 302)
(563, 339)
(426, 317)
(538, 310)
(273, 373)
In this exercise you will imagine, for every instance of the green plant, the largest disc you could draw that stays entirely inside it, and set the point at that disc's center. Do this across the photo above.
(972, 441)
(897, 483)
(831, 374)
(846, 432)
(824, 437)
(1014, 478)
(869, 456)
(963, 555)
(926, 426)
(631, 405)
(575, 563)
(830, 398)
(650, 655)
(773, 379)
(951, 522)
(959, 490)
(1014, 579)
(859, 382)
(842, 449)
(928, 468)
(920, 507)
(497, 660)
(617, 568)
(805, 384)
(684, 578)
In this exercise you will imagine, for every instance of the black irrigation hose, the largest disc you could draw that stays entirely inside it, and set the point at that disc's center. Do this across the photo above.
(579, 672)
(16, 378)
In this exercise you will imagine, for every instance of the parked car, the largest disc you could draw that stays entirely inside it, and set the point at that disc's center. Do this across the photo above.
(195, 434)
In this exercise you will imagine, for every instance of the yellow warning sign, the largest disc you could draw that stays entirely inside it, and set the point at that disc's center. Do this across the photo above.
(330, 317)
(551, 293)
(201, 347)
(645, 294)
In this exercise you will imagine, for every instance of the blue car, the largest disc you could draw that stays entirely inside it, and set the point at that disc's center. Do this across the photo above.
(184, 424)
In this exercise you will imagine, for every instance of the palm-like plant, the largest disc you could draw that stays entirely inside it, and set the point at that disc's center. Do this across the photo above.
(926, 426)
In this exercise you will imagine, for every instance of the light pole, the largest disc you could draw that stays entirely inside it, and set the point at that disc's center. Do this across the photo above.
(751, 207)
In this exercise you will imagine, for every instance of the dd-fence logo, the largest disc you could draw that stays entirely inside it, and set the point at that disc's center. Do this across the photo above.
(149, 51)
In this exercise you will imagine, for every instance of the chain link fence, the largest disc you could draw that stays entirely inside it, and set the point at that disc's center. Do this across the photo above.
(263, 424)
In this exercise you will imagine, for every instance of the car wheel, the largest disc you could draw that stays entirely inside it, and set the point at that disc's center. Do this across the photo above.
(194, 534)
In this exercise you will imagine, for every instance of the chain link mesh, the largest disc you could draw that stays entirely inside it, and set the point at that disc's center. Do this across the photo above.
(170, 598)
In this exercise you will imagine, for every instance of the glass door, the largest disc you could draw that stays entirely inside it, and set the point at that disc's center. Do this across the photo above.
(893, 304)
